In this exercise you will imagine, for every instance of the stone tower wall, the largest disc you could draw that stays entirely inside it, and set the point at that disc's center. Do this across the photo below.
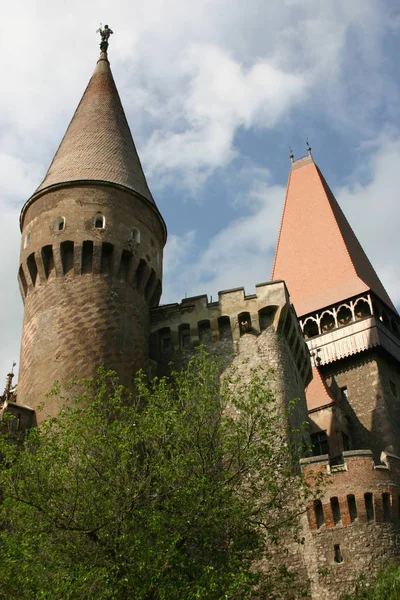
(87, 289)
(272, 338)
(365, 533)
(372, 404)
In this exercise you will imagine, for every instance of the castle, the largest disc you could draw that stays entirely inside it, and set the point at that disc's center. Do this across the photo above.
(91, 280)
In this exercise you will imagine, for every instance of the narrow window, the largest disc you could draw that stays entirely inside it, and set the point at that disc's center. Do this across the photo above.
(338, 554)
(335, 510)
(319, 443)
(244, 322)
(22, 280)
(266, 316)
(184, 335)
(99, 222)
(125, 265)
(165, 340)
(67, 256)
(369, 506)
(386, 507)
(27, 240)
(224, 328)
(351, 503)
(343, 393)
(136, 235)
(48, 260)
(107, 251)
(87, 256)
(32, 266)
(319, 513)
(150, 285)
(140, 272)
(204, 331)
(155, 299)
(59, 224)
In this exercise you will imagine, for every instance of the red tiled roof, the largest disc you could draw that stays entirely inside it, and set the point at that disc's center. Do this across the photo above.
(98, 144)
(318, 254)
(317, 392)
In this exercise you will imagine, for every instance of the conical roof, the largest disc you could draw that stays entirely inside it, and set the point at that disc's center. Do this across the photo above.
(318, 255)
(98, 144)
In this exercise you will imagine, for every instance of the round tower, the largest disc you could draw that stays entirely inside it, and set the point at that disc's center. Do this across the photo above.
(91, 253)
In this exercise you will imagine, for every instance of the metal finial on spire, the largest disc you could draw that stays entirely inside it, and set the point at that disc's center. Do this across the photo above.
(9, 379)
(308, 148)
(105, 33)
(291, 155)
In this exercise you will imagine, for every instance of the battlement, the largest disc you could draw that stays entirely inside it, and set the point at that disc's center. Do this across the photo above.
(69, 259)
(358, 490)
(196, 320)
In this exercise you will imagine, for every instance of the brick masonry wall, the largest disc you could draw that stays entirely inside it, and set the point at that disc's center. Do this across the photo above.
(79, 317)
(364, 544)
(372, 407)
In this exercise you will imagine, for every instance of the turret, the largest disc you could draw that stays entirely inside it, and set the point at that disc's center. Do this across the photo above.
(91, 253)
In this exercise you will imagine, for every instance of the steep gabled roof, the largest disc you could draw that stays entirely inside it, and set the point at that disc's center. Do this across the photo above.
(318, 254)
(98, 144)
(318, 393)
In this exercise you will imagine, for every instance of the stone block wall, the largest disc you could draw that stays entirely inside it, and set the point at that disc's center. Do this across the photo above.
(91, 268)
(356, 525)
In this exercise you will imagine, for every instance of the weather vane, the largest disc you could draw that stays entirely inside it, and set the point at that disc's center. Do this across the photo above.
(105, 33)
(308, 148)
(291, 155)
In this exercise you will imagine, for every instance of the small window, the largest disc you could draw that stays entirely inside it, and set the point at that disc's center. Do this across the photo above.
(346, 441)
(59, 224)
(27, 240)
(319, 513)
(224, 328)
(136, 235)
(336, 510)
(99, 222)
(386, 507)
(343, 393)
(244, 322)
(165, 340)
(184, 336)
(393, 388)
(319, 443)
(351, 503)
(369, 507)
(337, 553)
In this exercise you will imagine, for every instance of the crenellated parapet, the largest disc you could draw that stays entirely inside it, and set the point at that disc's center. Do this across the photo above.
(196, 320)
(90, 258)
(358, 491)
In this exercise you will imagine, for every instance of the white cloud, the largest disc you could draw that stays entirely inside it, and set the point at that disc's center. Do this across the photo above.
(222, 96)
(371, 203)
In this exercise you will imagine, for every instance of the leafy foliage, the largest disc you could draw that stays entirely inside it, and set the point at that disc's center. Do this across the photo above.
(177, 491)
(385, 586)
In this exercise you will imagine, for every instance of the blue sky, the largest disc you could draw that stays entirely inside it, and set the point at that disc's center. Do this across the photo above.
(214, 91)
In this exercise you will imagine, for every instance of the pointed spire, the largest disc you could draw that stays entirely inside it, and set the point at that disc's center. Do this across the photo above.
(98, 144)
(318, 254)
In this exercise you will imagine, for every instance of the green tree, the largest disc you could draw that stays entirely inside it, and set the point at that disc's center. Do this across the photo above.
(385, 586)
(179, 490)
